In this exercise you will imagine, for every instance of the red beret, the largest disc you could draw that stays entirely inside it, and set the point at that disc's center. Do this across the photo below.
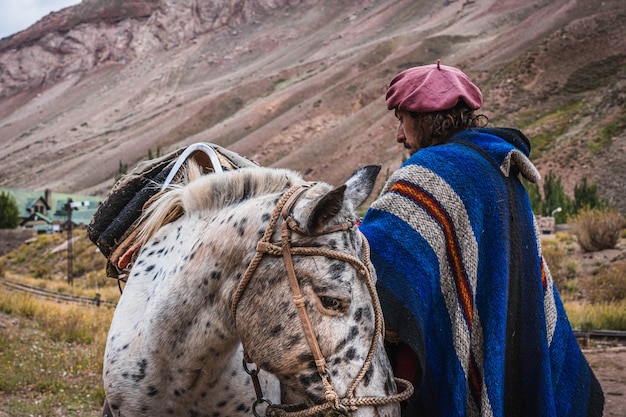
(431, 88)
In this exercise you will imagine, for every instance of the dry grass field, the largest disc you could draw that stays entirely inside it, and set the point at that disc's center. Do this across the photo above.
(51, 353)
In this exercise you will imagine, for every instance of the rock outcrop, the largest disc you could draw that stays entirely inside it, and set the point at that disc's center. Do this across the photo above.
(99, 32)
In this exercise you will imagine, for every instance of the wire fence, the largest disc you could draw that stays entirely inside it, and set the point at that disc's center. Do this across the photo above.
(55, 296)
(613, 335)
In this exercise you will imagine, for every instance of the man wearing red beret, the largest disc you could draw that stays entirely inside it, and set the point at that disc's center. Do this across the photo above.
(479, 326)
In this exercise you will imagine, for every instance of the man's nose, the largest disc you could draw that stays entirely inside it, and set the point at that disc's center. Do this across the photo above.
(400, 136)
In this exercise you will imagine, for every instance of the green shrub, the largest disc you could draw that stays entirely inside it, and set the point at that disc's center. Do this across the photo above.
(586, 197)
(569, 288)
(571, 269)
(608, 285)
(9, 211)
(554, 196)
(41, 271)
(597, 229)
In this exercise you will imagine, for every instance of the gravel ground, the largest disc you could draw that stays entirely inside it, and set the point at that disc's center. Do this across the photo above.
(609, 365)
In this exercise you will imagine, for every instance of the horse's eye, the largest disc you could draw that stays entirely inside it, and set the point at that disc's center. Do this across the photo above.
(330, 303)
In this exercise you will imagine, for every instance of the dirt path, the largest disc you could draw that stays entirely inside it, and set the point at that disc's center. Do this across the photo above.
(609, 365)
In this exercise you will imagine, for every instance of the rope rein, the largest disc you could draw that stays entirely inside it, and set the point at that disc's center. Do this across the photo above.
(349, 403)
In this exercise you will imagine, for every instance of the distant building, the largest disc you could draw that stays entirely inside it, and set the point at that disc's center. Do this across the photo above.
(46, 212)
(546, 225)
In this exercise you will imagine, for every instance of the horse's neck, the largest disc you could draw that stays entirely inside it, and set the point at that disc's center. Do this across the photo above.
(182, 288)
(173, 326)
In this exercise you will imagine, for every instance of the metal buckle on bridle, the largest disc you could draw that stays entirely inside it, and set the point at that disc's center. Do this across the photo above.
(254, 375)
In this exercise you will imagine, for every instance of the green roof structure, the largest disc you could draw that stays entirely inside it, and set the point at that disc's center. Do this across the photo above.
(49, 207)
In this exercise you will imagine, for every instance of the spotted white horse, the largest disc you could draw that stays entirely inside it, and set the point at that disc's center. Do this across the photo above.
(255, 264)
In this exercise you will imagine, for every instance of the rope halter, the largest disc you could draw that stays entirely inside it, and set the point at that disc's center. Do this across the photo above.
(334, 403)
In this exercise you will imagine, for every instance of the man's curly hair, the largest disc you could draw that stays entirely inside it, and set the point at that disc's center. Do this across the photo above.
(436, 127)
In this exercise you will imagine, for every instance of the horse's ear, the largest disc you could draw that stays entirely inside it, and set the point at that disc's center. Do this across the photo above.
(360, 185)
(350, 195)
(326, 208)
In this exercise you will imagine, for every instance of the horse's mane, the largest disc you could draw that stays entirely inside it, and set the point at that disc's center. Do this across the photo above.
(197, 192)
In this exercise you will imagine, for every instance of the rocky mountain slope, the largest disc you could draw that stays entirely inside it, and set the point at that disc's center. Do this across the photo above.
(301, 84)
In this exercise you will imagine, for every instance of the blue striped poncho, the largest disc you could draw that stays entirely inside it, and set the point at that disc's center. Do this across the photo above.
(462, 281)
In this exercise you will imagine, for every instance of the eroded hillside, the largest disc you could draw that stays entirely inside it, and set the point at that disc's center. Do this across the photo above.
(302, 84)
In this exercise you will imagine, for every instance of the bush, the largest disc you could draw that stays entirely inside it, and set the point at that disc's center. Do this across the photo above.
(597, 229)
(608, 285)
(9, 211)
(586, 197)
(554, 196)
(603, 316)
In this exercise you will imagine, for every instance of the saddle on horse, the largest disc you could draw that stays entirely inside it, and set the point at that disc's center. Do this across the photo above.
(113, 227)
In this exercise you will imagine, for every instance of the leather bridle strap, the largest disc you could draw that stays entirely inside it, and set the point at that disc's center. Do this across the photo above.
(298, 300)
(284, 207)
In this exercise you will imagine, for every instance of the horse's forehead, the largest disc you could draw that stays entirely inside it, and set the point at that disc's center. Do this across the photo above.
(346, 241)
